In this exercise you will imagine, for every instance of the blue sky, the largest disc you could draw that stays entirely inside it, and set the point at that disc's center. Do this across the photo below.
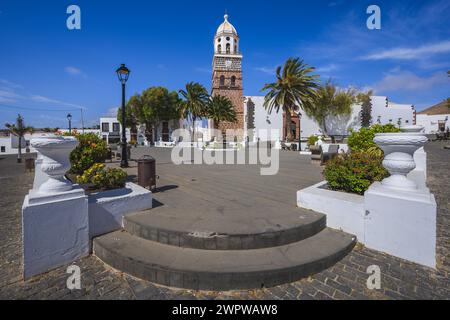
(47, 70)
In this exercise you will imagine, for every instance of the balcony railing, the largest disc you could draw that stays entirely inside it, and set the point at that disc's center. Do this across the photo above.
(236, 52)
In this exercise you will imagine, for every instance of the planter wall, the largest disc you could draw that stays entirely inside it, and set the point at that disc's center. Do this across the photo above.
(107, 208)
(345, 211)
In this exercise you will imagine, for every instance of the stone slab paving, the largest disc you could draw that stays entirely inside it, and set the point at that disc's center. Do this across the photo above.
(345, 280)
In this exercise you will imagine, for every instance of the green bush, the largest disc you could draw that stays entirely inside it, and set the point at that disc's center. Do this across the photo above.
(90, 150)
(312, 140)
(362, 140)
(354, 172)
(103, 178)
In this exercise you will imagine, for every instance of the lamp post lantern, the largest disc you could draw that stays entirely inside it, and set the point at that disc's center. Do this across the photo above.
(69, 117)
(123, 73)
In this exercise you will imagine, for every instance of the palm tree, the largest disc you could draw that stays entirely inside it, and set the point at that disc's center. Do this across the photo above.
(220, 108)
(194, 101)
(19, 129)
(295, 87)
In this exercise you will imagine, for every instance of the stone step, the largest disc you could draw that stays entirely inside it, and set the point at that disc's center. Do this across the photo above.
(228, 230)
(222, 269)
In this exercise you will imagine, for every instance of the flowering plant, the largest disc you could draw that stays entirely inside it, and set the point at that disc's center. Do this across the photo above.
(354, 172)
(103, 178)
(90, 150)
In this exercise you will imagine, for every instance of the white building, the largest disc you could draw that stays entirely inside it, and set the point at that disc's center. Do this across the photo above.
(9, 144)
(258, 123)
(435, 119)
(111, 130)
(382, 112)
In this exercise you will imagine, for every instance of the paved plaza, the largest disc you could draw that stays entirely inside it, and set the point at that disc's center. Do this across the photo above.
(224, 188)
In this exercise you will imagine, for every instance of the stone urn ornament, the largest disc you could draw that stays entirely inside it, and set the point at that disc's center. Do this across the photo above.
(54, 151)
(399, 148)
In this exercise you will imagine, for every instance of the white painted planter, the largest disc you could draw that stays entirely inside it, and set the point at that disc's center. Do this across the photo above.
(55, 212)
(397, 215)
(107, 208)
(345, 211)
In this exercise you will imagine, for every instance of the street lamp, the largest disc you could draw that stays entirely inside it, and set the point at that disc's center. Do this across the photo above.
(123, 73)
(299, 115)
(69, 117)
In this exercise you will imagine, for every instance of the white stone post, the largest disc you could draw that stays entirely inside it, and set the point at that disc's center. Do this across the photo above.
(55, 212)
(400, 215)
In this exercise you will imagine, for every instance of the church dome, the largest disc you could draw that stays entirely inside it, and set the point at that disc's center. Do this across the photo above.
(226, 27)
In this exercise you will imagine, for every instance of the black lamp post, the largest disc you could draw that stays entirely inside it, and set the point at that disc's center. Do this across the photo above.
(299, 116)
(123, 73)
(69, 117)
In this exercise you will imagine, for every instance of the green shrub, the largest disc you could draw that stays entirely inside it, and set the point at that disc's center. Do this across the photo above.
(90, 150)
(362, 140)
(354, 172)
(312, 140)
(103, 178)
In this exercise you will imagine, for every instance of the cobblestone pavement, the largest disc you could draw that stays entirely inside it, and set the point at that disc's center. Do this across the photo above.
(345, 280)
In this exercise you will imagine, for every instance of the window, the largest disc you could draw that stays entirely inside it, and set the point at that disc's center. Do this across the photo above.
(228, 48)
(407, 121)
(116, 127)
(105, 127)
(219, 48)
(228, 38)
(222, 80)
(3, 149)
(233, 81)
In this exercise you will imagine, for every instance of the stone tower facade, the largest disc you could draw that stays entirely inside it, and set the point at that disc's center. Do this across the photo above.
(227, 71)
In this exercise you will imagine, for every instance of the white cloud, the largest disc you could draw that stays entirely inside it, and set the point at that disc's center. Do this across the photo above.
(328, 68)
(267, 70)
(75, 71)
(8, 94)
(10, 84)
(42, 99)
(112, 112)
(411, 53)
(399, 80)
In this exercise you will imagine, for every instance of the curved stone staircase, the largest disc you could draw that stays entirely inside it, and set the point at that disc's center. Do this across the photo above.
(261, 254)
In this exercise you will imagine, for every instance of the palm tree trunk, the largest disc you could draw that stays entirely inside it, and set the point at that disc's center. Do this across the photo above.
(19, 153)
(193, 128)
(288, 126)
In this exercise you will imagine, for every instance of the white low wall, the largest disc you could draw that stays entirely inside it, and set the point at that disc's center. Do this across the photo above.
(107, 208)
(344, 211)
(343, 147)
(165, 144)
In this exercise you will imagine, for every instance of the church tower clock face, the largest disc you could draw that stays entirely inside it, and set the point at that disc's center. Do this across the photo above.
(227, 71)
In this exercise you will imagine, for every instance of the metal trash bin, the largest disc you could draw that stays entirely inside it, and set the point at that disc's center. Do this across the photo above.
(29, 164)
(147, 172)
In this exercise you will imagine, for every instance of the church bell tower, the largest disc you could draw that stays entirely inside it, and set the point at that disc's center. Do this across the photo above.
(227, 71)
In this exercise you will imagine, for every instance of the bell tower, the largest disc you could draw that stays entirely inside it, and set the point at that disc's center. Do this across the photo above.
(227, 71)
